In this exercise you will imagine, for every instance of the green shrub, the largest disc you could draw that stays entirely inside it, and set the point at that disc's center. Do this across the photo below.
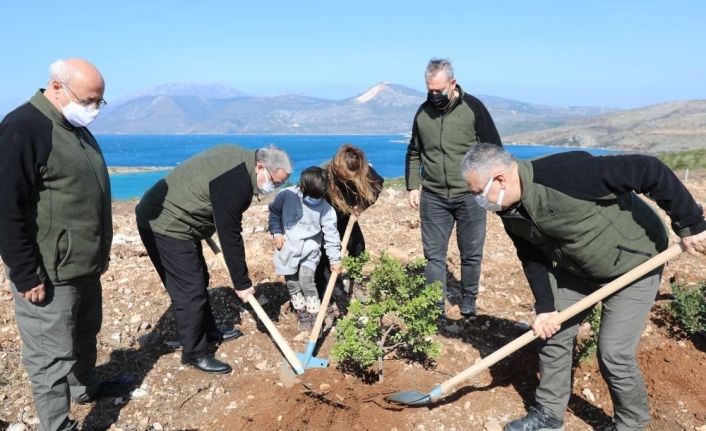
(587, 347)
(400, 315)
(689, 306)
(684, 160)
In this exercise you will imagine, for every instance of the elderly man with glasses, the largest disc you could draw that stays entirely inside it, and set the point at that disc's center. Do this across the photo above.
(210, 191)
(56, 231)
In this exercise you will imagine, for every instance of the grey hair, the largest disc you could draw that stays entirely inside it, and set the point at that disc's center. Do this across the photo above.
(61, 71)
(274, 159)
(437, 65)
(483, 159)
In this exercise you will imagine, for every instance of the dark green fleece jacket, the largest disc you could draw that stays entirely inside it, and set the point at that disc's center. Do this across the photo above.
(209, 191)
(581, 213)
(55, 214)
(439, 141)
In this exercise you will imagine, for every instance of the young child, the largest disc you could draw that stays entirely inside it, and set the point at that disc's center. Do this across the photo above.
(300, 219)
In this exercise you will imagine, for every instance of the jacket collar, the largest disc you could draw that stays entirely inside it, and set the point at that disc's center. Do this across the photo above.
(40, 102)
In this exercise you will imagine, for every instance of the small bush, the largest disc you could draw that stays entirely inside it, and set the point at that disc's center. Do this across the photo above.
(689, 307)
(587, 347)
(401, 313)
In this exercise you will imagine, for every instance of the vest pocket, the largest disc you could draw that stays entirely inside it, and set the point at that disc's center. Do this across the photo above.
(622, 249)
(62, 250)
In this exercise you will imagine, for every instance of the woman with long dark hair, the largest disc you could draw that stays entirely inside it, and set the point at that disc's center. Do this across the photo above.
(353, 187)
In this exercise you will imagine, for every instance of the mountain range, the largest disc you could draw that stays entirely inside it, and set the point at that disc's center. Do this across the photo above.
(664, 127)
(385, 108)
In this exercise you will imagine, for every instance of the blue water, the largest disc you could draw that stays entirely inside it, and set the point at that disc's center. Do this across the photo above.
(386, 153)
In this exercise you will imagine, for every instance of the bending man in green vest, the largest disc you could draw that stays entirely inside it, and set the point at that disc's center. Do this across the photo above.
(577, 224)
(210, 191)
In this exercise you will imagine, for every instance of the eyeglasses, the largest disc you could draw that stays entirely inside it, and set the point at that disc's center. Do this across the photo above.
(485, 190)
(271, 177)
(90, 104)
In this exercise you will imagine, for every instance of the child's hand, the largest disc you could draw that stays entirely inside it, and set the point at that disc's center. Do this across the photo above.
(279, 242)
(336, 267)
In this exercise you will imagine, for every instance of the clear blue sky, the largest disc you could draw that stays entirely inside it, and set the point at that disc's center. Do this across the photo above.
(621, 54)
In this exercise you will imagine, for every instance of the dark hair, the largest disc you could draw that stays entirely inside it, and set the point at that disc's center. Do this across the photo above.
(313, 182)
(350, 175)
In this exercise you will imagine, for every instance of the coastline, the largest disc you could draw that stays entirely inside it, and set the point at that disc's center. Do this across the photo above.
(136, 169)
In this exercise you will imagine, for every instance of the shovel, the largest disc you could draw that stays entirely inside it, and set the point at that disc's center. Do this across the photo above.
(308, 358)
(415, 397)
(281, 343)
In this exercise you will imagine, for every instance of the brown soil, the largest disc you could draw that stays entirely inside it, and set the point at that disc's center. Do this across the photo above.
(138, 321)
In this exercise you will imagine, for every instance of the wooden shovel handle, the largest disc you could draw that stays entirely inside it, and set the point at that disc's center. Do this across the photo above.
(331, 281)
(564, 315)
(281, 343)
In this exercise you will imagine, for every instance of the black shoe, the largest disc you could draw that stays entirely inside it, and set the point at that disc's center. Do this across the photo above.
(226, 336)
(536, 420)
(208, 364)
(111, 389)
(468, 305)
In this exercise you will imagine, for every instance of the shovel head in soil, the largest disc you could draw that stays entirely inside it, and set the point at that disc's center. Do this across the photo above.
(262, 315)
(415, 397)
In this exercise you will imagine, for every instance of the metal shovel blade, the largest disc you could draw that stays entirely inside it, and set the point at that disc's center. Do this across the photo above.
(410, 398)
(309, 360)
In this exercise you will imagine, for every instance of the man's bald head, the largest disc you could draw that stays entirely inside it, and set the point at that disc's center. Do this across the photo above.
(83, 80)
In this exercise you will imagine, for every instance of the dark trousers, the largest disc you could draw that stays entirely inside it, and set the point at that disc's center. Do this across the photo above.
(356, 246)
(438, 216)
(59, 348)
(182, 268)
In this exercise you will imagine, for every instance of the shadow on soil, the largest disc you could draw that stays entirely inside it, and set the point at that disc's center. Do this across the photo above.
(139, 361)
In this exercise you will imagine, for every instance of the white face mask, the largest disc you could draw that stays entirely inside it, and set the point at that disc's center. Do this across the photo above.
(78, 115)
(268, 187)
(483, 201)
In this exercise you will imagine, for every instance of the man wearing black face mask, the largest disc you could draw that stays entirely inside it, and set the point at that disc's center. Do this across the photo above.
(445, 127)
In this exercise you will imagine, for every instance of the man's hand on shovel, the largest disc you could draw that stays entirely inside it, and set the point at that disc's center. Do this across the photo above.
(694, 244)
(544, 327)
(243, 294)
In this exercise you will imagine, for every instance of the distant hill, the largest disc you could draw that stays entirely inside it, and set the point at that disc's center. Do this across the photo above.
(664, 127)
(385, 108)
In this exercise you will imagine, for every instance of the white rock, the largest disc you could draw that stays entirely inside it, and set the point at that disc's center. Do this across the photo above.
(492, 426)
(261, 365)
(324, 386)
(136, 318)
(589, 395)
(17, 427)
(138, 393)
(157, 426)
(302, 336)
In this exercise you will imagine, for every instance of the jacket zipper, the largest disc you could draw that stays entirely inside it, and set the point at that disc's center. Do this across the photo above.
(443, 155)
(95, 174)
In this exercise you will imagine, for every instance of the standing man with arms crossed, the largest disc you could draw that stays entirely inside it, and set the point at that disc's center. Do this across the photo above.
(445, 126)
(56, 230)
(577, 224)
(210, 191)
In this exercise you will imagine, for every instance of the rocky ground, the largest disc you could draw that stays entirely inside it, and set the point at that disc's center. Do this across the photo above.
(138, 337)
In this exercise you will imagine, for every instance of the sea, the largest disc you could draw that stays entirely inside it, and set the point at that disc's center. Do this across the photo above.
(385, 152)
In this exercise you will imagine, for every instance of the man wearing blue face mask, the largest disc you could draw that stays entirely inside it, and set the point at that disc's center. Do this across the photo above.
(449, 123)
(577, 223)
(208, 192)
(300, 221)
(56, 230)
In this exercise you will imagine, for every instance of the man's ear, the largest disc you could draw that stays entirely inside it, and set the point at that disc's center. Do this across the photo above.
(501, 179)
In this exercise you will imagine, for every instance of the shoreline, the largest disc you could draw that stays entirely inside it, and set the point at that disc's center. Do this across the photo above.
(136, 169)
